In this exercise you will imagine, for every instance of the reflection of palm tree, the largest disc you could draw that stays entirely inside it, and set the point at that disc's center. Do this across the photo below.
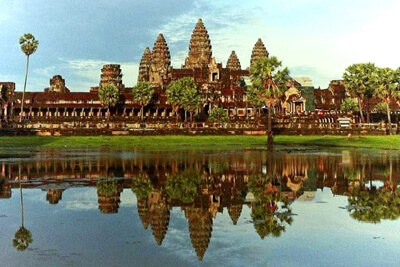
(372, 205)
(183, 186)
(142, 185)
(269, 216)
(23, 237)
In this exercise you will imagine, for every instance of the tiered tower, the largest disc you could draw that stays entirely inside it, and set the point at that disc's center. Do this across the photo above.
(160, 61)
(144, 67)
(159, 214)
(258, 52)
(234, 212)
(109, 202)
(200, 228)
(57, 84)
(199, 48)
(143, 212)
(54, 196)
(5, 189)
(233, 62)
(111, 74)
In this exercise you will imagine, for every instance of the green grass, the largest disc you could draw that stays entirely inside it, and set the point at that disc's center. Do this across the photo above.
(182, 141)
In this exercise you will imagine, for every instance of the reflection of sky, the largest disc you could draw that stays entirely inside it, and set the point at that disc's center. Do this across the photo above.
(74, 232)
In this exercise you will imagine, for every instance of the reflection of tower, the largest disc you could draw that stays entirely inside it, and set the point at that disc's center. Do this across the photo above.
(5, 190)
(143, 212)
(234, 212)
(159, 215)
(54, 196)
(200, 228)
(109, 201)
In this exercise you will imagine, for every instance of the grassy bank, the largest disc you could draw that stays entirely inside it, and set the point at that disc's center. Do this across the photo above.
(177, 141)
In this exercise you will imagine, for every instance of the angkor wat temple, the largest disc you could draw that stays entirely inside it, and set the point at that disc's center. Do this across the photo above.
(58, 108)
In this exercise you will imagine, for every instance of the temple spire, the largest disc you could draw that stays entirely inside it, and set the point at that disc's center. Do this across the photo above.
(199, 48)
(200, 228)
(233, 62)
(160, 61)
(259, 51)
(144, 66)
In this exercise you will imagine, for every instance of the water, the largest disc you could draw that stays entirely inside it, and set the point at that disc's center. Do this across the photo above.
(207, 208)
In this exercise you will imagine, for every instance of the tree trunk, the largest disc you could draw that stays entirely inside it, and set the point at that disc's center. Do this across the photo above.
(361, 111)
(389, 119)
(270, 140)
(23, 93)
(177, 115)
(22, 200)
(141, 113)
(368, 117)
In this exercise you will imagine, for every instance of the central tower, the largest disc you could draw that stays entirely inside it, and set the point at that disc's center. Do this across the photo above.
(199, 48)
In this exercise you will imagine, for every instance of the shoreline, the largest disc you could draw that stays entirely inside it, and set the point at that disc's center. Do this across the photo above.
(195, 142)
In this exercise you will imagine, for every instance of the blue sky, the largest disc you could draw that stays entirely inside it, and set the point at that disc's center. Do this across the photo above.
(313, 38)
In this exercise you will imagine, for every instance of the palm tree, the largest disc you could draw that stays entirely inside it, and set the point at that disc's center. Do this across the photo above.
(191, 101)
(388, 89)
(29, 46)
(109, 96)
(269, 84)
(176, 92)
(143, 93)
(360, 79)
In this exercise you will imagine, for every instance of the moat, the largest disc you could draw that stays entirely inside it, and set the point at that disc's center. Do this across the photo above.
(247, 207)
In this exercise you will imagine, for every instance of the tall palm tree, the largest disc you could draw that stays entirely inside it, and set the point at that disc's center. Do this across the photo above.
(109, 96)
(360, 79)
(388, 89)
(29, 45)
(143, 93)
(269, 83)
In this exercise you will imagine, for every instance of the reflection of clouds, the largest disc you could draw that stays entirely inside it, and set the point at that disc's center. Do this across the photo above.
(128, 198)
(80, 199)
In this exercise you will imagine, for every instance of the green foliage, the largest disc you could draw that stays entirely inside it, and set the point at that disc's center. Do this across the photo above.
(28, 43)
(191, 100)
(349, 105)
(254, 98)
(142, 185)
(22, 239)
(176, 90)
(143, 93)
(358, 78)
(108, 95)
(388, 84)
(269, 82)
(270, 211)
(218, 115)
(107, 187)
(183, 186)
(381, 108)
(372, 205)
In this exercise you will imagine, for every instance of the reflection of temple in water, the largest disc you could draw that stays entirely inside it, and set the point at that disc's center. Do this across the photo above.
(223, 182)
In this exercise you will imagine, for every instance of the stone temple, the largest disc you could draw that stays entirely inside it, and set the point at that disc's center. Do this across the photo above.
(58, 108)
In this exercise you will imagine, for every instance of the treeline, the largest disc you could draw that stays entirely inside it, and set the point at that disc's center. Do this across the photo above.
(364, 81)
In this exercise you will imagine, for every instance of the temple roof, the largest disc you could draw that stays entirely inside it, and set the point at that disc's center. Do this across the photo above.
(259, 51)
(233, 62)
(199, 47)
